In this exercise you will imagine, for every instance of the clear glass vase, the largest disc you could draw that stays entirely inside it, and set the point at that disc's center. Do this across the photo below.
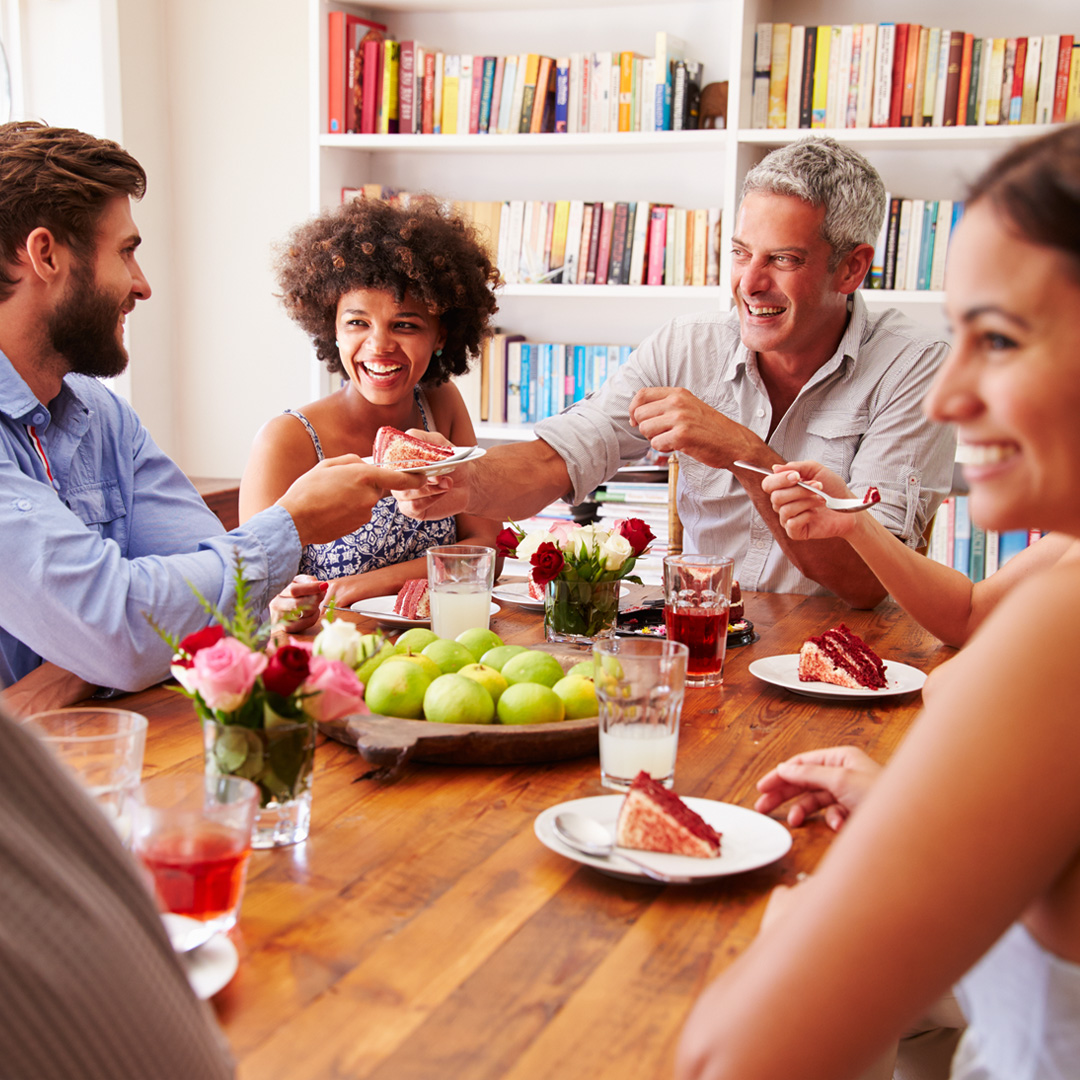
(280, 760)
(576, 613)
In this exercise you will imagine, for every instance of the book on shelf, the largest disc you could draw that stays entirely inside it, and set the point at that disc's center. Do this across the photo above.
(346, 35)
(909, 75)
(977, 553)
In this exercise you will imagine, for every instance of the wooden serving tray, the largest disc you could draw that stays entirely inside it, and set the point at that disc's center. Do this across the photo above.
(388, 742)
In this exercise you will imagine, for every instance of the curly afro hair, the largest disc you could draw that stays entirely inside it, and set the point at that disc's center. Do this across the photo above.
(371, 244)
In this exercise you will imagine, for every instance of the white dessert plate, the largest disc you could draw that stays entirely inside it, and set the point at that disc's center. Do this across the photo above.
(517, 592)
(783, 671)
(749, 840)
(382, 609)
(211, 966)
(437, 468)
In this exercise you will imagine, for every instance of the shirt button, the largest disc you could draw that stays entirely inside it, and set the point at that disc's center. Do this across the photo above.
(761, 412)
(38, 418)
(22, 504)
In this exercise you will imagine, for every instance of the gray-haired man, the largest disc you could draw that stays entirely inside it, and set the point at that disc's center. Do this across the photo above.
(798, 370)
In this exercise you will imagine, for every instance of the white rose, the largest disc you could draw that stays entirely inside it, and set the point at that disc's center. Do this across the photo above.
(339, 640)
(588, 536)
(616, 550)
(527, 548)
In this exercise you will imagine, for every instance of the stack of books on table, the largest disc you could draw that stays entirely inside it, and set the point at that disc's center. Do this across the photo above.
(957, 542)
(908, 75)
(386, 87)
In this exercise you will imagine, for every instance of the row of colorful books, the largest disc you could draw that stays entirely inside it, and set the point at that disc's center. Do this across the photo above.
(957, 542)
(572, 242)
(521, 382)
(913, 244)
(908, 75)
(381, 86)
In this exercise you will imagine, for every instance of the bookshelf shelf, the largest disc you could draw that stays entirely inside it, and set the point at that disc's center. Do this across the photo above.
(660, 293)
(952, 138)
(626, 142)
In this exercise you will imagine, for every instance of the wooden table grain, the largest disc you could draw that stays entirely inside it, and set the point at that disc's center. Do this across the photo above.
(423, 932)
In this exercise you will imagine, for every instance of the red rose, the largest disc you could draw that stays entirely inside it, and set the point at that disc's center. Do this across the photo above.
(638, 535)
(201, 639)
(288, 668)
(547, 562)
(506, 542)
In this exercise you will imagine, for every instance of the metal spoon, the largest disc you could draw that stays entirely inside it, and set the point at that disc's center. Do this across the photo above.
(843, 506)
(591, 838)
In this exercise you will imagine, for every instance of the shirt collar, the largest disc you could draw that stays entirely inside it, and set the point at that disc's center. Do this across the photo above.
(17, 400)
(846, 351)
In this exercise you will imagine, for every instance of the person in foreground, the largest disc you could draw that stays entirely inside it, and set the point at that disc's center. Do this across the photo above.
(964, 856)
(100, 528)
(90, 984)
(798, 369)
(397, 299)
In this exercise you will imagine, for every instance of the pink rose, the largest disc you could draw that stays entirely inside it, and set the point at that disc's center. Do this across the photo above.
(225, 673)
(335, 690)
(561, 531)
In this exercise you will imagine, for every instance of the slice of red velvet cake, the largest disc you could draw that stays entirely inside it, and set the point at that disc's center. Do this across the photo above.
(842, 658)
(393, 447)
(655, 819)
(413, 601)
(536, 590)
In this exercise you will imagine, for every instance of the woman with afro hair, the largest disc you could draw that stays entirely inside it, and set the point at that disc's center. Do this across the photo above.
(397, 299)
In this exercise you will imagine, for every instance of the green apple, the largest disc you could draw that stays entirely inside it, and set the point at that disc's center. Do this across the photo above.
(397, 688)
(578, 696)
(530, 703)
(532, 666)
(498, 656)
(582, 667)
(487, 677)
(416, 639)
(433, 670)
(478, 640)
(449, 655)
(364, 671)
(455, 699)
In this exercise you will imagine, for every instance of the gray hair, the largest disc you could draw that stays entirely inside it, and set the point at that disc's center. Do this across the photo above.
(824, 172)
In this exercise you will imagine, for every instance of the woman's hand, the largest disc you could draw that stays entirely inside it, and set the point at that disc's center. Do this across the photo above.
(834, 780)
(297, 606)
(804, 516)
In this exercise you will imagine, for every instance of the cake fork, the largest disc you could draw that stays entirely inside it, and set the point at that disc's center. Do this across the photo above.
(843, 506)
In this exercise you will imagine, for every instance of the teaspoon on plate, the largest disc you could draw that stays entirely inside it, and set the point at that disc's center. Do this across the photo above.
(591, 838)
(843, 506)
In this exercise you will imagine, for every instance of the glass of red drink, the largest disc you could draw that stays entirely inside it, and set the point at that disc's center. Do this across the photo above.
(193, 833)
(697, 594)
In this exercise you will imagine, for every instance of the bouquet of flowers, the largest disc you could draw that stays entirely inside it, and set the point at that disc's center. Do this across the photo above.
(579, 568)
(259, 704)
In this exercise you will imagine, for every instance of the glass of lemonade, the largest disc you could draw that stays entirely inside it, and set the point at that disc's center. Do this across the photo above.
(639, 687)
(460, 578)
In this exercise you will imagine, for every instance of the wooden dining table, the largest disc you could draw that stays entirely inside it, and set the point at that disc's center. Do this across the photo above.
(423, 932)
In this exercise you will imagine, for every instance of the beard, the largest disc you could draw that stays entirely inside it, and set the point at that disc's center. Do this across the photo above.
(84, 329)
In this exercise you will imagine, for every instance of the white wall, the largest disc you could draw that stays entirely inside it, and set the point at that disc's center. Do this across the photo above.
(212, 97)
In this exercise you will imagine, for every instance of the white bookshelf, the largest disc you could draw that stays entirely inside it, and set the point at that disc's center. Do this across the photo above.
(692, 169)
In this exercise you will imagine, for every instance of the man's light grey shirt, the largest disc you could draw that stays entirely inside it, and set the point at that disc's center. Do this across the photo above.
(860, 414)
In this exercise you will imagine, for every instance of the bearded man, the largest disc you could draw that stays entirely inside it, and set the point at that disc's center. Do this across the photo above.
(100, 527)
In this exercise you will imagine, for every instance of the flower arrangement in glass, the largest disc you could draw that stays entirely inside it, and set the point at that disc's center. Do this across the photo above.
(259, 706)
(579, 569)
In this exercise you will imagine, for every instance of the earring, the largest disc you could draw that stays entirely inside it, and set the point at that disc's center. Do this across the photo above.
(337, 344)
(438, 352)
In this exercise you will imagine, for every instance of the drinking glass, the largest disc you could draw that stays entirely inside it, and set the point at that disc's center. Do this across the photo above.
(104, 748)
(697, 594)
(193, 833)
(460, 577)
(639, 687)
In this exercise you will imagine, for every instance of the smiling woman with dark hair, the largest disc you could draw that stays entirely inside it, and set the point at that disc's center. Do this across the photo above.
(398, 300)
